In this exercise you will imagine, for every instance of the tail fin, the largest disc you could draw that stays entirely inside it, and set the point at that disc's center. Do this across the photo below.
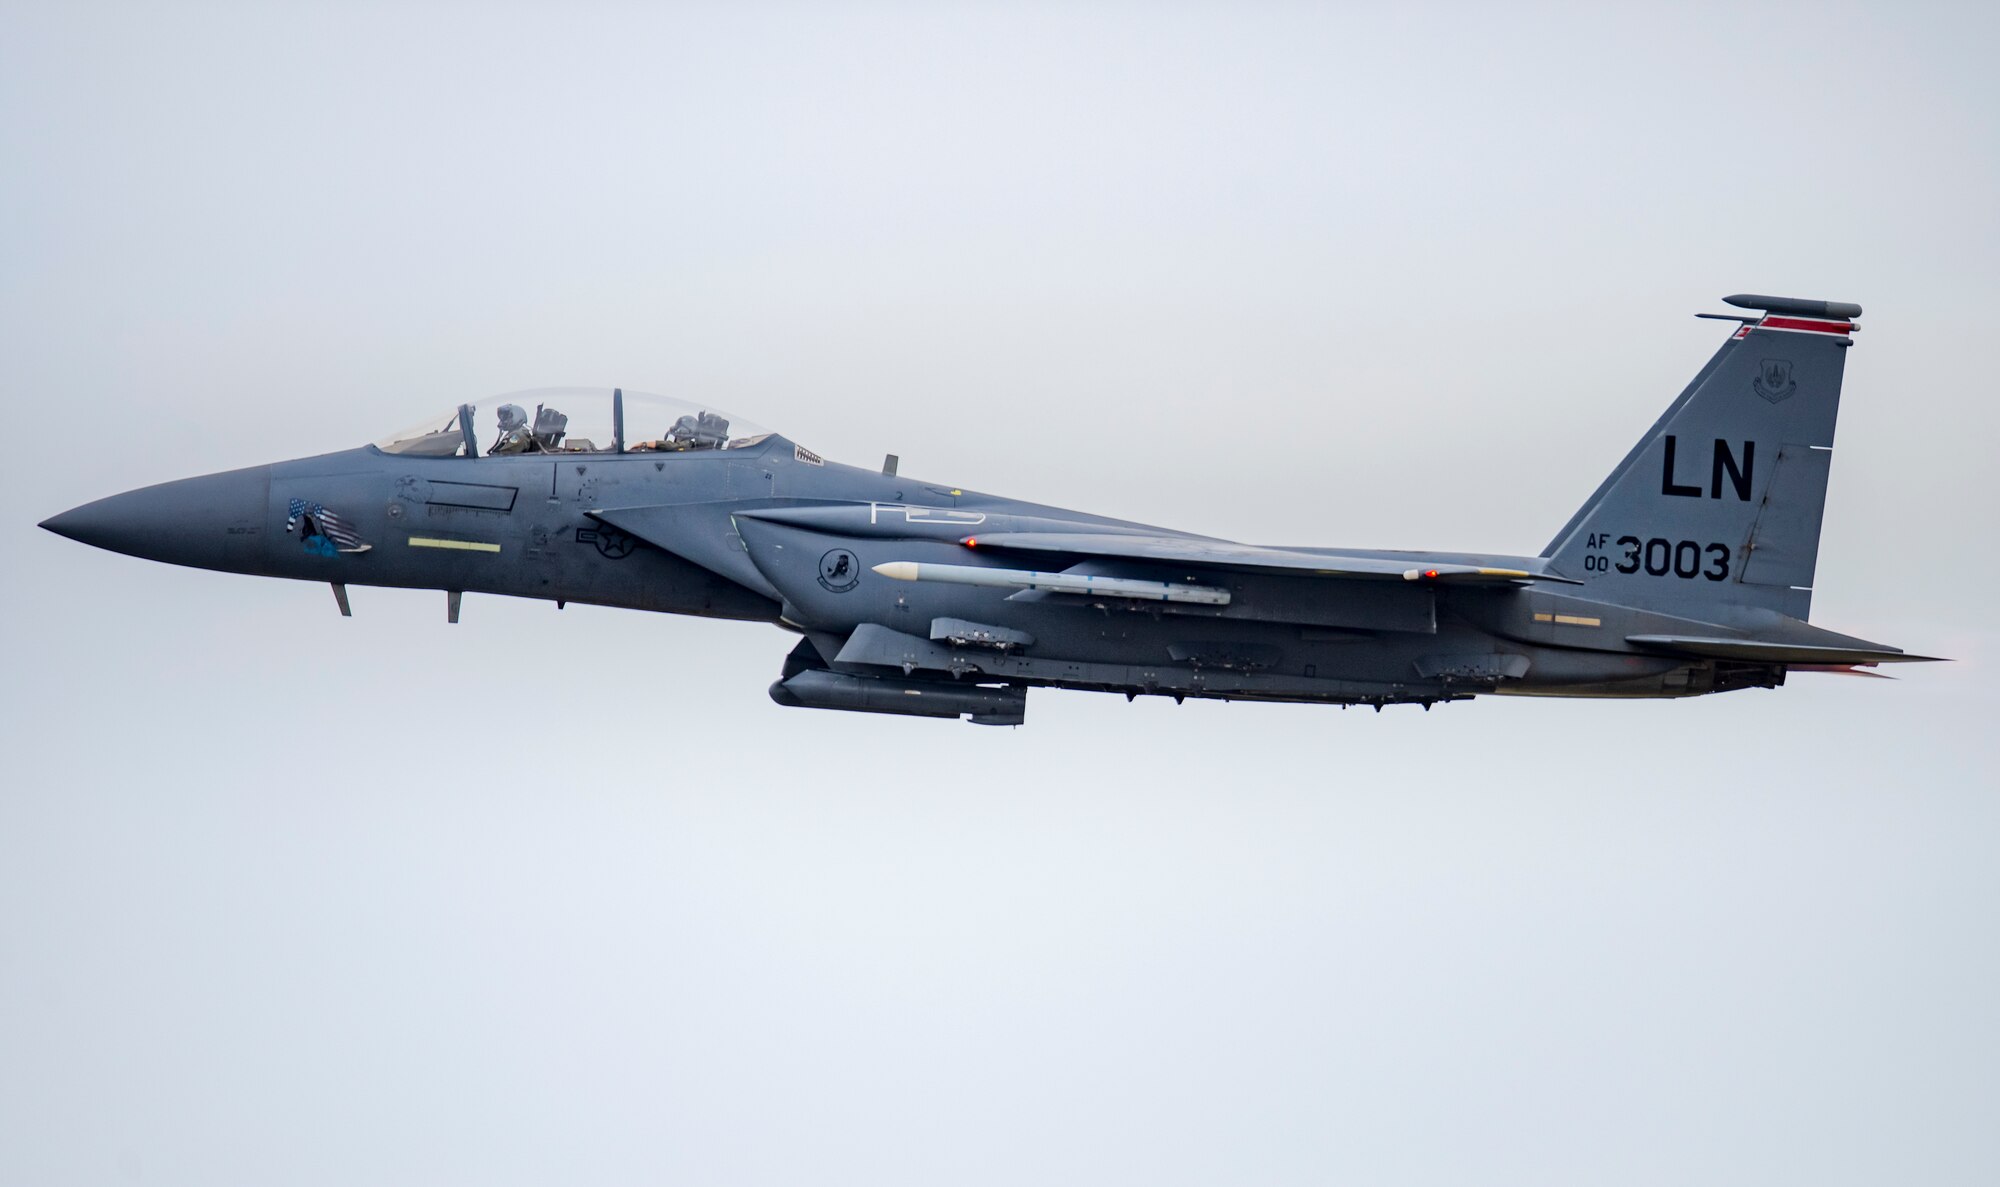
(1719, 504)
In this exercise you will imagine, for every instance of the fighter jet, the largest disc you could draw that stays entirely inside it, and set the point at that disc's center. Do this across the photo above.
(1689, 571)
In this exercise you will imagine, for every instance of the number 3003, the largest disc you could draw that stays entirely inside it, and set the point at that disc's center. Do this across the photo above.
(1686, 559)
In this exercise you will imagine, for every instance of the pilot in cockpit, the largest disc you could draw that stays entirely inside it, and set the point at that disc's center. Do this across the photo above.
(515, 436)
(518, 436)
(704, 430)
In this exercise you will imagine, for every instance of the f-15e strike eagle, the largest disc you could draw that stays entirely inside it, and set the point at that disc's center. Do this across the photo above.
(1689, 571)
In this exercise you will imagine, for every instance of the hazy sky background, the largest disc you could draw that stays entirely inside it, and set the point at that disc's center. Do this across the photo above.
(562, 897)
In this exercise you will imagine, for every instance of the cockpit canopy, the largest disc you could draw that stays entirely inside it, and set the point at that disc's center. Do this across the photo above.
(575, 420)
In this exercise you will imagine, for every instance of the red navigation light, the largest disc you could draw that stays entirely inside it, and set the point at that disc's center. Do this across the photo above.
(1431, 573)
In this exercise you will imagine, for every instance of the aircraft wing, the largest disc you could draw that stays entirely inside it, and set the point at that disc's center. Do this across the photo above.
(1224, 554)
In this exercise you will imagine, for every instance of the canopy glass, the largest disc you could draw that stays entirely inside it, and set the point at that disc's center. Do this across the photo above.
(575, 420)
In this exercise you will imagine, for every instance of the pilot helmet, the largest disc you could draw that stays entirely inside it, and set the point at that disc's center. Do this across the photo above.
(512, 416)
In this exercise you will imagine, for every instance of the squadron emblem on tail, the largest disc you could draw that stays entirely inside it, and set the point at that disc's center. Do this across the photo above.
(1774, 380)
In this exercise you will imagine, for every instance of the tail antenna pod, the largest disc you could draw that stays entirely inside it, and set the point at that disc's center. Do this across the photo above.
(618, 420)
(1795, 306)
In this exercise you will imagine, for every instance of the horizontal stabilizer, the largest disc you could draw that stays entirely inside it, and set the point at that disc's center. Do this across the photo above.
(1840, 670)
(1761, 651)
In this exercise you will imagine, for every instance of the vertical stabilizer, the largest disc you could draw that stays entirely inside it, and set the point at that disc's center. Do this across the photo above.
(1719, 504)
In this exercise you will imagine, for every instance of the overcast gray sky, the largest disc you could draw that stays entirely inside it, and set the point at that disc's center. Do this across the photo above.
(562, 897)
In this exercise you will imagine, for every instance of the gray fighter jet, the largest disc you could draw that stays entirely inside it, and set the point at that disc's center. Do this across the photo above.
(1689, 571)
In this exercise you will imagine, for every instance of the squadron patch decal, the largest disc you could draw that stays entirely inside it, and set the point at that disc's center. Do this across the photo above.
(321, 531)
(839, 571)
(1774, 380)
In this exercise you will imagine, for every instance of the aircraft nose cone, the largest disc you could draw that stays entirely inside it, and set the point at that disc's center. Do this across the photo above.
(115, 523)
(211, 522)
(74, 523)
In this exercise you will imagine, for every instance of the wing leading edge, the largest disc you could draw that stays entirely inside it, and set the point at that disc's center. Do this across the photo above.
(1225, 554)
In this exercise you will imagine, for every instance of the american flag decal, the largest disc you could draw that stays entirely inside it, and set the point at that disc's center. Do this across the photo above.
(321, 522)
